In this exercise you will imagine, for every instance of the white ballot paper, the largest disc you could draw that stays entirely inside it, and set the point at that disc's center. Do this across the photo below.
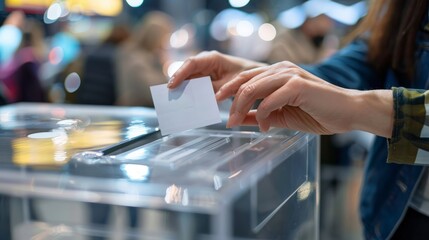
(190, 105)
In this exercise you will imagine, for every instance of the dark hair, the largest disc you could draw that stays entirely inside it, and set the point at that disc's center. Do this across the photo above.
(392, 26)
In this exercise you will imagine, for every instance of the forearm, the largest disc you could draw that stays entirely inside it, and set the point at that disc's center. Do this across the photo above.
(399, 115)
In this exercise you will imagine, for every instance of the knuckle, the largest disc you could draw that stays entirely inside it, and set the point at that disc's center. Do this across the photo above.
(287, 64)
(191, 60)
(242, 74)
(293, 70)
(211, 53)
(203, 53)
(289, 67)
(297, 83)
(214, 52)
(249, 91)
(284, 63)
(293, 65)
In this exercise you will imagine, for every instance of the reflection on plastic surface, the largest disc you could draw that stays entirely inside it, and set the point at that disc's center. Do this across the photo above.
(203, 158)
(136, 128)
(208, 184)
(39, 151)
(48, 135)
(217, 182)
(304, 191)
(190, 150)
(179, 150)
(235, 174)
(136, 171)
(176, 195)
(44, 231)
(270, 193)
(45, 135)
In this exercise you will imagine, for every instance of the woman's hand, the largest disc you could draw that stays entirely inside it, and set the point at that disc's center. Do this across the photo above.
(293, 98)
(220, 67)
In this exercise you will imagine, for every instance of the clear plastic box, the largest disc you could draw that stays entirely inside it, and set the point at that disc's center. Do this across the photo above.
(198, 184)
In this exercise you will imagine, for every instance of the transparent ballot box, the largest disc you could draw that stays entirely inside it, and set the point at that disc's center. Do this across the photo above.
(198, 184)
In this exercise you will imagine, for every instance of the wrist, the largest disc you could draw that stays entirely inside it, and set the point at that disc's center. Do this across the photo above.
(374, 112)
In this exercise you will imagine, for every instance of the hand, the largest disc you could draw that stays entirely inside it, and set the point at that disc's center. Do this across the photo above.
(220, 67)
(293, 98)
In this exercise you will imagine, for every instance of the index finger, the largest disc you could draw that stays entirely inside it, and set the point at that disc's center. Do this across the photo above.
(193, 67)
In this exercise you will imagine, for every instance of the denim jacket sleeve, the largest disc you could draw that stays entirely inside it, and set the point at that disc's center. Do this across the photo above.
(410, 138)
(348, 68)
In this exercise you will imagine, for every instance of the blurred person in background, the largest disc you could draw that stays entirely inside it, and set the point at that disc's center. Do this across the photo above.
(378, 83)
(305, 44)
(141, 59)
(19, 73)
(99, 73)
(10, 37)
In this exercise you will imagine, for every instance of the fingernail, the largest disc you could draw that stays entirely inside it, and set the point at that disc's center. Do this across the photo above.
(218, 95)
(170, 82)
(229, 125)
(232, 121)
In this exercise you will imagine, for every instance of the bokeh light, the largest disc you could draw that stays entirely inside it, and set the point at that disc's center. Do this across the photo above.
(72, 82)
(136, 172)
(223, 25)
(244, 28)
(292, 18)
(69, 45)
(267, 32)
(11, 37)
(179, 38)
(238, 3)
(135, 3)
(56, 55)
(174, 67)
(53, 12)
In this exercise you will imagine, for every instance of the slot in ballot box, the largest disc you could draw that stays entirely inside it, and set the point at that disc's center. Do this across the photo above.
(91, 172)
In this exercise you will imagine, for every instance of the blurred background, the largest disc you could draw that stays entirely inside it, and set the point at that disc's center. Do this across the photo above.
(108, 52)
